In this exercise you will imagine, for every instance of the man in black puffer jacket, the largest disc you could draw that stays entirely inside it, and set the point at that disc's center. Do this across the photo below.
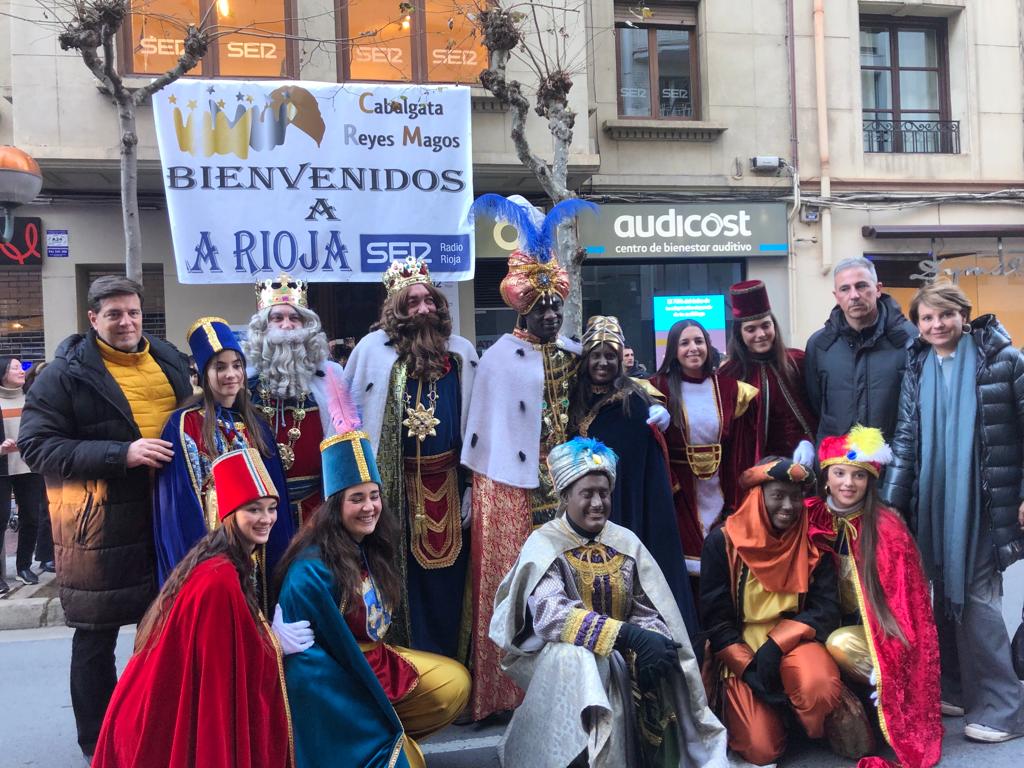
(965, 545)
(855, 364)
(90, 426)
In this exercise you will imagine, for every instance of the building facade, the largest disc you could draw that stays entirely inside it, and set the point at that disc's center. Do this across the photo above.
(887, 129)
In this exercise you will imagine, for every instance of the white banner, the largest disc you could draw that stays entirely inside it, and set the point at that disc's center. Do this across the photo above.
(328, 182)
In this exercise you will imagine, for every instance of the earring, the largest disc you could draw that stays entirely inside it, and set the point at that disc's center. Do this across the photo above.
(967, 328)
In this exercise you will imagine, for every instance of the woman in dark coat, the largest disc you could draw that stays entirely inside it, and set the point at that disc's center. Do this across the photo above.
(956, 478)
(606, 404)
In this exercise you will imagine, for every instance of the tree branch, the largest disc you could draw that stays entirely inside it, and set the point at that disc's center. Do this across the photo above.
(196, 43)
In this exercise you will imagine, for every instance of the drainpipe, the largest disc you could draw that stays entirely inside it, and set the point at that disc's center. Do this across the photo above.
(821, 96)
(794, 152)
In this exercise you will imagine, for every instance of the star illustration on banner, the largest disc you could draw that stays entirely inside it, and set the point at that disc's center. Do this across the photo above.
(210, 89)
(191, 103)
(249, 99)
(220, 103)
(172, 99)
(239, 96)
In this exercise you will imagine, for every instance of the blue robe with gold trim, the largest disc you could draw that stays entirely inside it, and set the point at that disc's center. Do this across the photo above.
(340, 713)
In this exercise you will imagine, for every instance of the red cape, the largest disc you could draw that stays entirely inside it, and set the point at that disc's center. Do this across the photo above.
(208, 692)
(908, 675)
(788, 420)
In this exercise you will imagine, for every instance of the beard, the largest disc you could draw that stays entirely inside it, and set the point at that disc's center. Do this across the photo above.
(285, 361)
(422, 341)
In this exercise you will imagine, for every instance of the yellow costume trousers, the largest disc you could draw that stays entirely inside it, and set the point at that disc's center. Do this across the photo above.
(438, 698)
(849, 647)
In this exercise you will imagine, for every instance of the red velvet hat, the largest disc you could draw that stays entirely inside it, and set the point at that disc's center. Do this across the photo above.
(240, 477)
(749, 300)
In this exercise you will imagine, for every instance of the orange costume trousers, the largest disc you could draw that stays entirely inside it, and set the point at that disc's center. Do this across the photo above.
(757, 731)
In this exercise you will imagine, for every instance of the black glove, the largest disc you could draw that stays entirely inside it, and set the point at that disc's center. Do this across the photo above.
(654, 652)
(762, 674)
(767, 661)
(753, 679)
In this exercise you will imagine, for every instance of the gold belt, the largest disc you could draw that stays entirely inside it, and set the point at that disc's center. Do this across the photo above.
(704, 460)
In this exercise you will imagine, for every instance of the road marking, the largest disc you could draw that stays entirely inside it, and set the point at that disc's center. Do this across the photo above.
(459, 745)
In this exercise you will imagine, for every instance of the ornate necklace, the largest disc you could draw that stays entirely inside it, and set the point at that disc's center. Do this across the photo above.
(421, 421)
(287, 452)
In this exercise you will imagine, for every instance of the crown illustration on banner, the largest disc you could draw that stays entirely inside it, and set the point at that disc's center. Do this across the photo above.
(282, 289)
(411, 270)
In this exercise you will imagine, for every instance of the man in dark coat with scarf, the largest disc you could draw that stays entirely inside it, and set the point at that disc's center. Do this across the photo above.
(91, 427)
(855, 364)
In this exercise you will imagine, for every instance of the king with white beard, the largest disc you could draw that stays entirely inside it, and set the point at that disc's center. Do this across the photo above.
(289, 376)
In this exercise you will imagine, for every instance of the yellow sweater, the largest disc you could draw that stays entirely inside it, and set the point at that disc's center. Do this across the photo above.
(144, 384)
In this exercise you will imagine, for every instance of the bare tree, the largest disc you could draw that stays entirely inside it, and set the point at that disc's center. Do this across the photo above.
(538, 35)
(91, 29)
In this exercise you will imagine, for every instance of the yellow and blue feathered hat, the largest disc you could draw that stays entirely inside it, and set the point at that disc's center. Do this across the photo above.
(580, 456)
(207, 337)
(347, 456)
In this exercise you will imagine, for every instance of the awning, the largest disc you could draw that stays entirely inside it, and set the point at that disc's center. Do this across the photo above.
(933, 231)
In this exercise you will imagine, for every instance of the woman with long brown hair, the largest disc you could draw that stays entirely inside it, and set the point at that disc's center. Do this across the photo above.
(704, 438)
(783, 422)
(887, 640)
(354, 697)
(205, 686)
(222, 419)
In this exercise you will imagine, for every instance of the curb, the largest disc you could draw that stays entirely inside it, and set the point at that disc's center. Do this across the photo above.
(31, 613)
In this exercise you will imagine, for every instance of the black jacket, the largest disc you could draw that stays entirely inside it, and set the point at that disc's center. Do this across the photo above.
(75, 430)
(999, 437)
(854, 377)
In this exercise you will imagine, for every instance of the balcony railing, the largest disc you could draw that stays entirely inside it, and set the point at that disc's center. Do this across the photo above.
(912, 136)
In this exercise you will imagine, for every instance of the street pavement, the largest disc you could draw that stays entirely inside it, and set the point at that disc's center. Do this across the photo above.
(37, 726)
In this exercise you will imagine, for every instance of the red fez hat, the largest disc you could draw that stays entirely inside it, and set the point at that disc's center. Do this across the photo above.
(239, 478)
(749, 300)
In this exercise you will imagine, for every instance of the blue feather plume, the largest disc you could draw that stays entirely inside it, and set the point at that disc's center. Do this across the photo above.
(537, 241)
(580, 445)
(565, 210)
(502, 209)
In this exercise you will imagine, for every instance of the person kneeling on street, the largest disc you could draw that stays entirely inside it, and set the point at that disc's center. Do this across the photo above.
(768, 601)
(591, 631)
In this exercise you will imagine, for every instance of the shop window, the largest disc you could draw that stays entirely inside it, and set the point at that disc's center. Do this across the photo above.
(21, 312)
(657, 60)
(252, 44)
(154, 315)
(431, 41)
(904, 75)
(978, 274)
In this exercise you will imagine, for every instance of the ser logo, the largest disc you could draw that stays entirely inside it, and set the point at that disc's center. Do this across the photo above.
(385, 251)
(444, 253)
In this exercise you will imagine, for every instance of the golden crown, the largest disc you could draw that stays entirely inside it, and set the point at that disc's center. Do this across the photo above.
(409, 271)
(282, 289)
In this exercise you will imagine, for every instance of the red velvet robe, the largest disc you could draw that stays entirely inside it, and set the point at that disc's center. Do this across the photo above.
(209, 691)
(908, 675)
(781, 416)
(735, 430)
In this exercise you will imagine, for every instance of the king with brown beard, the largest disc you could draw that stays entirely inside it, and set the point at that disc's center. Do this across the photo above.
(413, 379)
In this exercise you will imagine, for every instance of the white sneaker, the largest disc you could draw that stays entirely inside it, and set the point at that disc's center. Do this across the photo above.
(978, 732)
(951, 710)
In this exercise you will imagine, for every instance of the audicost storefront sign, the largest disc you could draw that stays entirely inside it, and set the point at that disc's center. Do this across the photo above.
(688, 230)
(326, 181)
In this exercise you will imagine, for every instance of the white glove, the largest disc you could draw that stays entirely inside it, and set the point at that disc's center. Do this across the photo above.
(467, 507)
(295, 636)
(874, 687)
(658, 416)
(804, 453)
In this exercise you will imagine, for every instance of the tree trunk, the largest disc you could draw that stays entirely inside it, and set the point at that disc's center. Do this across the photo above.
(129, 189)
(569, 256)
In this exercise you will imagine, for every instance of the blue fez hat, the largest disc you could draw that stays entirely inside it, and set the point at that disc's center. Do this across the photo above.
(207, 337)
(347, 461)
